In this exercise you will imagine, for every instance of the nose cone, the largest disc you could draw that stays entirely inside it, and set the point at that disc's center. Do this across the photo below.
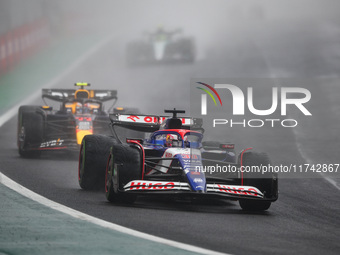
(159, 50)
(201, 191)
(197, 181)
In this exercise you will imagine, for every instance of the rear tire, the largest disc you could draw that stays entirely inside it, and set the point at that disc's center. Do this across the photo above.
(124, 165)
(30, 131)
(93, 156)
(266, 183)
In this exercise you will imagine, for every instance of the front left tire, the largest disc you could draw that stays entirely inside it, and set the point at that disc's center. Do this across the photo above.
(30, 131)
(124, 165)
(267, 183)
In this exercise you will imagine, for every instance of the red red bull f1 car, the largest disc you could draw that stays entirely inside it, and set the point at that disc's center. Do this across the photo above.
(173, 160)
(81, 112)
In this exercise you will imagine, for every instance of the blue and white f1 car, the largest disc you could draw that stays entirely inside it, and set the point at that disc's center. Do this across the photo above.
(173, 160)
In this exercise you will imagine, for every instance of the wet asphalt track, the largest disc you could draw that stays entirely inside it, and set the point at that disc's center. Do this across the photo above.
(305, 219)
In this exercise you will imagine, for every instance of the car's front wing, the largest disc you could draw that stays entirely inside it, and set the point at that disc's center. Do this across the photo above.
(54, 144)
(163, 187)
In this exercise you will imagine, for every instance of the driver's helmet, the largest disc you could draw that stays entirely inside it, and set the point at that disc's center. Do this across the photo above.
(186, 141)
(86, 108)
(91, 107)
(160, 34)
(78, 107)
(160, 29)
(171, 141)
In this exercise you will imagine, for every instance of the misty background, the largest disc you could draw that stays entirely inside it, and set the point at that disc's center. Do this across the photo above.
(297, 39)
(248, 43)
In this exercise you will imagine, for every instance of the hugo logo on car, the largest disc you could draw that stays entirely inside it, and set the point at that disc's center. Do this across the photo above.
(147, 185)
(172, 161)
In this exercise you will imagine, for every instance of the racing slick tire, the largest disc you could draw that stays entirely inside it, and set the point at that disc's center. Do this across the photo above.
(267, 183)
(93, 155)
(30, 130)
(124, 165)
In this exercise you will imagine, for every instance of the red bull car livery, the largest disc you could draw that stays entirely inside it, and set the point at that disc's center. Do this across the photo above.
(172, 160)
(81, 112)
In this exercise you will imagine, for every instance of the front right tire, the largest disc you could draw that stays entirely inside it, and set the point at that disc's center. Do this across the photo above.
(93, 156)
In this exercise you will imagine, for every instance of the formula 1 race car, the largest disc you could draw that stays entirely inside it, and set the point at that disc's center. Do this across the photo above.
(81, 113)
(172, 161)
(161, 47)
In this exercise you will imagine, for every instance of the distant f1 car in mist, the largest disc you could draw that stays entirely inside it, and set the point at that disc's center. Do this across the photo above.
(172, 161)
(81, 112)
(161, 47)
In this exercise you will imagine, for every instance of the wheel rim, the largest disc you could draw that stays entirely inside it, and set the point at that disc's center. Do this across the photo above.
(115, 180)
(21, 137)
(108, 175)
(111, 177)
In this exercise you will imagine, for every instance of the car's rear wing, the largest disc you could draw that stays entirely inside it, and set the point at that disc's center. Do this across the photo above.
(151, 123)
(62, 95)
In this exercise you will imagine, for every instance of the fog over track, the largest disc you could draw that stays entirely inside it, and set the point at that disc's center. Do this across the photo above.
(233, 40)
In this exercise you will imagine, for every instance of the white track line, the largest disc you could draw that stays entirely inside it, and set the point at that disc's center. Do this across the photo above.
(64, 209)
(14, 110)
(82, 216)
(309, 161)
(295, 131)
